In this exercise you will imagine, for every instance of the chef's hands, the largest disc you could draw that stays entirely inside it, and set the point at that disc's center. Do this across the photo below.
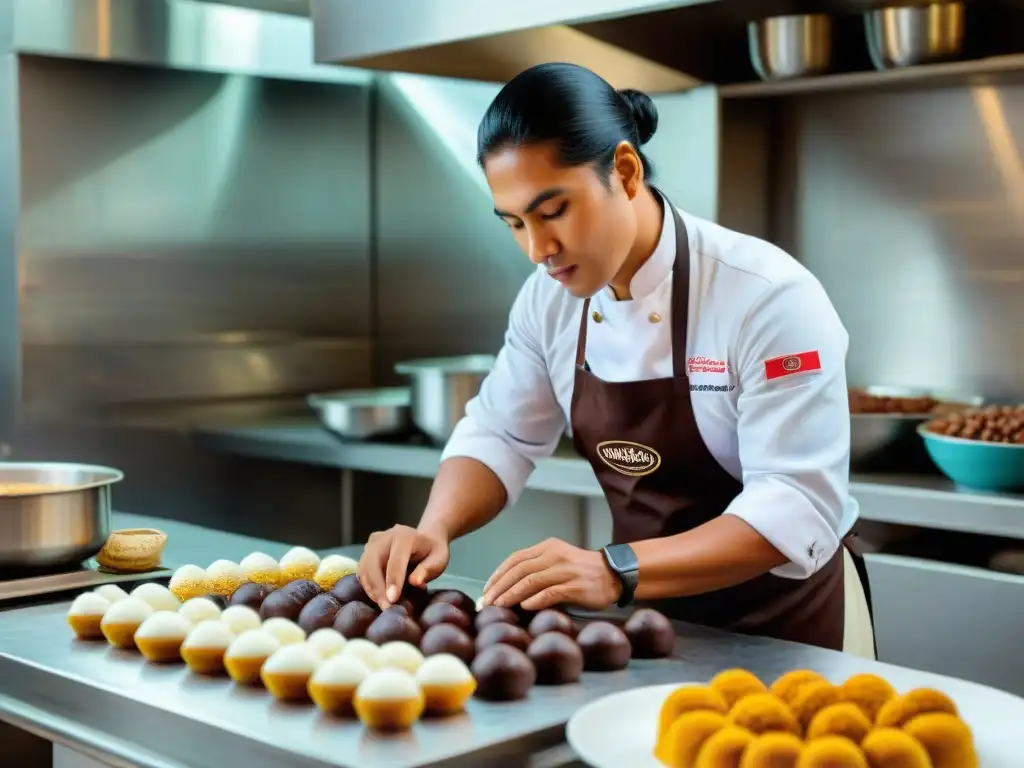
(551, 573)
(388, 556)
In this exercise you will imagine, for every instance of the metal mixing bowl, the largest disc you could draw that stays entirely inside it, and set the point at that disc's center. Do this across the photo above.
(362, 414)
(62, 526)
(782, 47)
(441, 387)
(915, 34)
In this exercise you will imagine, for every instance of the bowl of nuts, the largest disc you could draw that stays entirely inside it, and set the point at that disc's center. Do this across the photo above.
(979, 448)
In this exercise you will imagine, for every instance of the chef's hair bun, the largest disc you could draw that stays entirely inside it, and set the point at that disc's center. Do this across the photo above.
(642, 110)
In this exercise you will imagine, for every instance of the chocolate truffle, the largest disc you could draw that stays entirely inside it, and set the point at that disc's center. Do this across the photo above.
(605, 647)
(509, 634)
(349, 590)
(394, 625)
(250, 594)
(306, 589)
(444, 613)
(221, 603)
(406, 605)
(418, 597)
(650, 634)
(503, 673)
(447, 638)
(354, 619)
(398, 609)
(557, 658)
(492, 614)
(283, 604)
(460, 600)
(552, 621)
(318, 613)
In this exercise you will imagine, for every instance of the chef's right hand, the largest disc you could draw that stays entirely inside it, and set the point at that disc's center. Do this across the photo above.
(389, 554)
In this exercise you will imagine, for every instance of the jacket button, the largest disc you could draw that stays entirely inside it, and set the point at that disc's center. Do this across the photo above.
(655, 317)
(598, 317)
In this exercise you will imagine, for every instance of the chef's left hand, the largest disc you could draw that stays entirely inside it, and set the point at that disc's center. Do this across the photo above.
(551, 573)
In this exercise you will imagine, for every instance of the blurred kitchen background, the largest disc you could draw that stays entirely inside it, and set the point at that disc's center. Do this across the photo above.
(200, 226)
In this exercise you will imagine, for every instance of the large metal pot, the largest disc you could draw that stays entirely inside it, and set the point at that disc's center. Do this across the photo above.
(782, 47)
(53, 514)
(440, 389)
(915, 34)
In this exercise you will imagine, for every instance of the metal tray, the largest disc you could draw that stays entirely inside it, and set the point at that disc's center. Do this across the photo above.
(874, 436)
(362, 414)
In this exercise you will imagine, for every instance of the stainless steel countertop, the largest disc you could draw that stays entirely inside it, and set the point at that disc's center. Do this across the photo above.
(926, 501)
(112, 705)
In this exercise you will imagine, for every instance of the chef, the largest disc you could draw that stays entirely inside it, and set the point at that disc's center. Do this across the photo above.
(702, 373)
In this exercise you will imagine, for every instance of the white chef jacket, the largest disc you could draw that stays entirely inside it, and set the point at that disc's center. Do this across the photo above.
(787, 438)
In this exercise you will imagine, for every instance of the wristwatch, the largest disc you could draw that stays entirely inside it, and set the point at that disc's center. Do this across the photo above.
(622, 560)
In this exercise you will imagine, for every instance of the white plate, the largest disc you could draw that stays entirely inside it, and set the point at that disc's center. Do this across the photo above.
(619, 729)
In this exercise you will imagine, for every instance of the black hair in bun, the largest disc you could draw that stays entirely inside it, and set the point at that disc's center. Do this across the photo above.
(574, 109)
(643, 111)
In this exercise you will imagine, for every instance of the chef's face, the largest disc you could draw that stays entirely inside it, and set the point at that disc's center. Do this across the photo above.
(580, 226)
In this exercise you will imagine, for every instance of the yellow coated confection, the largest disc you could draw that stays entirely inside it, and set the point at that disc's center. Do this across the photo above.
(893, 748)
(788, 684)
(897, 711)
(725, 748)
(946, 739)
(869, 692)
(689, 698)
(734, 684)
(832, 752)
(811, 699)
(680, 745)
(762, 712)
(842, 719)
(773, 750)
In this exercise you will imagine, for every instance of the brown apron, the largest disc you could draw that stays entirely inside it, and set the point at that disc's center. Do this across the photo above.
(660, 479)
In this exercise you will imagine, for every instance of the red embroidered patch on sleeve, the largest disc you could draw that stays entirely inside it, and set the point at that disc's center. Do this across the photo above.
(786, 365)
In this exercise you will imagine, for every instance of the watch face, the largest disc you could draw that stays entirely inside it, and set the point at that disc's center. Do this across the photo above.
(622, 557)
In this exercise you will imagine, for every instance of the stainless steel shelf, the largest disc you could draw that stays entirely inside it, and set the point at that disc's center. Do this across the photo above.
(975, 72)
(925, 501)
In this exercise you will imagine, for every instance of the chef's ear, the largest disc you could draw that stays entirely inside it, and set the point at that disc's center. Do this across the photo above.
(628, 168)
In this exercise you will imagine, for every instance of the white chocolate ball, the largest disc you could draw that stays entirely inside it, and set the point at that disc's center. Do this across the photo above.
(286, 632)
(399, 655)
(89, 604)
(241, 618)
(158, 596)
(164, 625)
(211, 635)
(389, 685)
(327, 642)
(199, 609)
(111, 592)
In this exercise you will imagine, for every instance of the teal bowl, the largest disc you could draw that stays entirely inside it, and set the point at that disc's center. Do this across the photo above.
(975, 464)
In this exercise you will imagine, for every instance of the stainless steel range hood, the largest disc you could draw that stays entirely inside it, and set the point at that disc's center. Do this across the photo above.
(632, 43)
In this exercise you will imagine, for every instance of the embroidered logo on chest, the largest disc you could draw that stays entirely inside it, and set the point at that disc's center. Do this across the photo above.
(629, 458)
(703, 364)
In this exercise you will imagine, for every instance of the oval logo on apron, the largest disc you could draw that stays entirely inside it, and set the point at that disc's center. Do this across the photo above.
(629, 458)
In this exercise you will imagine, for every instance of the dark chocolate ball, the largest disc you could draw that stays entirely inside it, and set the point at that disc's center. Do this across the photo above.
(447, 638)
(552, 621)
(417, 597)
(305, 589)
(250, 595)
(605, 647)
(557, 658)
(509, 634)
(349, 590)
(281, 603)
(394, 625)
(399, 609)
(354, 619)
(221, 603)
(460, 600)
(492, 614)
(503, 673)
(406, 606)
(444, 613)
(319, 612)
(650, 634)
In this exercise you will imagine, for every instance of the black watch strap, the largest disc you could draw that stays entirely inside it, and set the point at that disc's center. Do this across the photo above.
(622, 560)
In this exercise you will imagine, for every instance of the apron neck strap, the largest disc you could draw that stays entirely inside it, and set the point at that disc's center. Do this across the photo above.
(680, 299)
